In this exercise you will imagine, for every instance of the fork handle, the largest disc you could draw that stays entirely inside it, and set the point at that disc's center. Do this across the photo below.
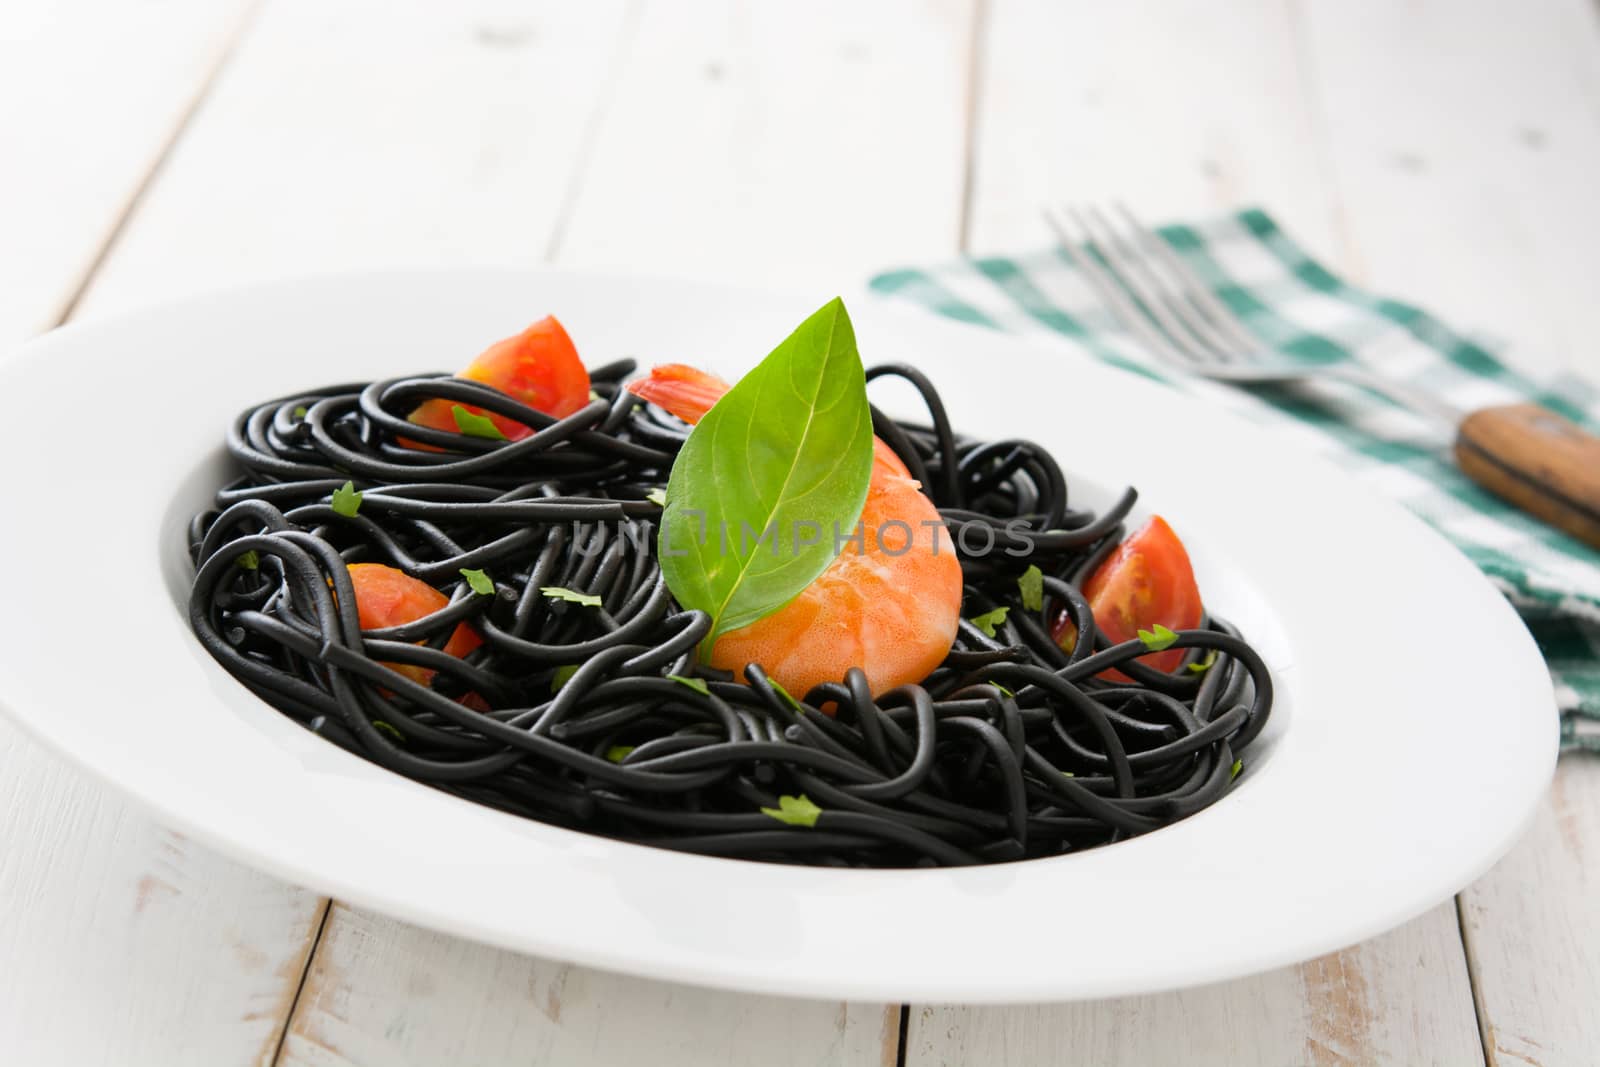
(1541, 462)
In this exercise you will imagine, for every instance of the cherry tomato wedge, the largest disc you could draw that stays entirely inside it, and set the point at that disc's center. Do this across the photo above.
(387, 596)
(539, 366)
(1146, 581)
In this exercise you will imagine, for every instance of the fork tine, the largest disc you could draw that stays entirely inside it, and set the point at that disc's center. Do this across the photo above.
(1161, 303)
(1232, 342)
(1123, 309)
(1226, 327)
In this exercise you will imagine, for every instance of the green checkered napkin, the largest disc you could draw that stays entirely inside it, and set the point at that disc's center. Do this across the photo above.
(1300, 308)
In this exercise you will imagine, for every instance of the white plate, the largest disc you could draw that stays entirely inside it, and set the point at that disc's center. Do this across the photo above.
(1414, 731)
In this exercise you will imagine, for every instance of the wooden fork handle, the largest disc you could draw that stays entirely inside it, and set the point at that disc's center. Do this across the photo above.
(1542, 463)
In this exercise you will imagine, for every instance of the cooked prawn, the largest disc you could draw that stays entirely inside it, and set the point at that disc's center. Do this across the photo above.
(888, 606)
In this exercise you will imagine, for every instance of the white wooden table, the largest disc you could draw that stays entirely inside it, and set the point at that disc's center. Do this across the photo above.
(1445, 152)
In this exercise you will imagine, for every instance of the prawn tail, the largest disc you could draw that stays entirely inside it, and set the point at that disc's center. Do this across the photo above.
(686, 391)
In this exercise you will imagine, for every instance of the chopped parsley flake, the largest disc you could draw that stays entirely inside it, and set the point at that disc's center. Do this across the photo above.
(989, 620)
(476, 425)
(1031, 583)
(794, 811)
(1157, 638)
(479, 581)
(346, 501)
(556, 592)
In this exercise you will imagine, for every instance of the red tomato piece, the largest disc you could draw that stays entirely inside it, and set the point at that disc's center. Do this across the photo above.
(1147, 581)
(539, 366)
(387, 596)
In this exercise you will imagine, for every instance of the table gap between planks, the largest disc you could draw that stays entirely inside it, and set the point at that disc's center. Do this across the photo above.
(797, 145)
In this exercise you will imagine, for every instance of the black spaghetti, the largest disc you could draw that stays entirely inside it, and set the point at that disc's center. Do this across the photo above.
(603, 720)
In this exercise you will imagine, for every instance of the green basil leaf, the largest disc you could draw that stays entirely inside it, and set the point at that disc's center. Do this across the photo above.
(787, 698)
(697, 684)
(618, 753)
(768, 476)
(562, 676)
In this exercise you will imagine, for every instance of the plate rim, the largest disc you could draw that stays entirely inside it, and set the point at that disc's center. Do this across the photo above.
(688, 967)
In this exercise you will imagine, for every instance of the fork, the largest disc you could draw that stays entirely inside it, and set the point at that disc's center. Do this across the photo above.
(1534, 458)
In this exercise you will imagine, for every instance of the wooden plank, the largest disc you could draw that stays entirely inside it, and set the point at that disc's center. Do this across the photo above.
(458, 135)
(801, 144)
(1182, 113)
(175, 954)
(123, 942)
(126, 943)
(371, 134)
(1464, 141)
(1466, 168)
(1176, 108)
(1532, 930)
(1398, 999)
(380, 991)
(91, 92)
(384, 992)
